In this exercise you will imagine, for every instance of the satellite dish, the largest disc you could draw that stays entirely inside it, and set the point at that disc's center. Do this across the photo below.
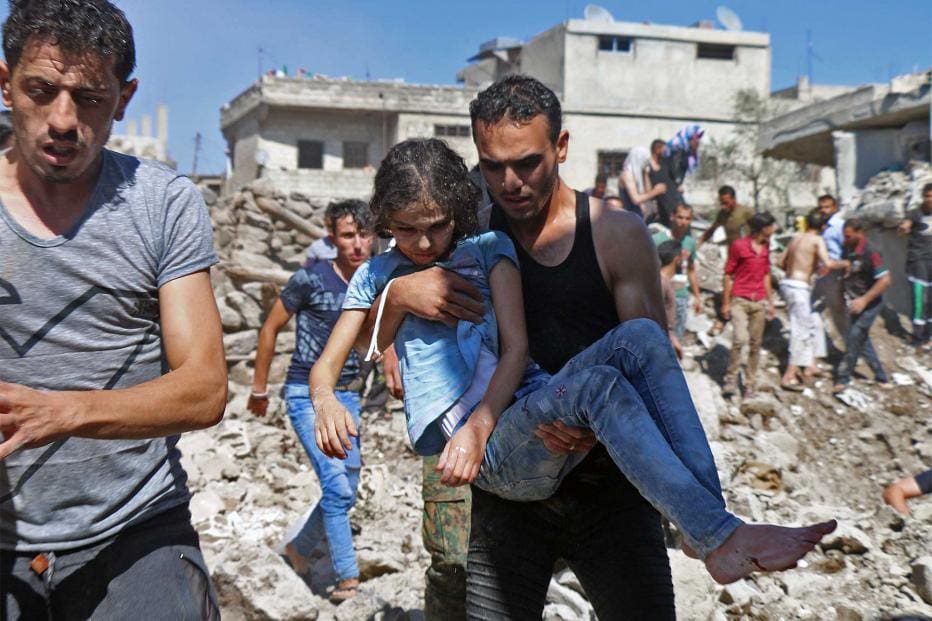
(261, 156)
(596, 13)
(728, 18)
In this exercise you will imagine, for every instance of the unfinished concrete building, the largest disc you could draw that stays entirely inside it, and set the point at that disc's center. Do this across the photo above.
(870, 136)
(622, 84)
(325, 138)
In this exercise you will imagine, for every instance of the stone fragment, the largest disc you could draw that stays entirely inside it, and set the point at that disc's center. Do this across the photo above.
(921, 578)
(847, 538)
(240, 343)
(247, 307)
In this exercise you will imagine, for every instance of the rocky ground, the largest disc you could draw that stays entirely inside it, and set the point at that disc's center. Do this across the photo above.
(783, 457)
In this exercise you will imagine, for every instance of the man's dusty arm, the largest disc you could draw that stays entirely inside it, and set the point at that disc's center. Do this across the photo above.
(191, 396)
(435, 293)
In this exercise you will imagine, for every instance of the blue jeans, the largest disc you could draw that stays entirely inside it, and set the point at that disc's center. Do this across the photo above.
(858, 342)
(628, 388)
(338, 481)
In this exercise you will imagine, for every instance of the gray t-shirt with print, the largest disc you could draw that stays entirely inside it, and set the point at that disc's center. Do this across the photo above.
(81, 312)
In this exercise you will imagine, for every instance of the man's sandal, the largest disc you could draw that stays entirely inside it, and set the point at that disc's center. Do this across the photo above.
(345, 589)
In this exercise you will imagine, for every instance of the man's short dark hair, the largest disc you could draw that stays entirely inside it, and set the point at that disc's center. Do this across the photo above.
(815, 220)
(422, 170)
(519, 98)
(684, 207)
(726, 190)
(927, 188)
(760, 221)
(669, 251)
(601, 178)
(354, 208)
(827, 197)
(855, 224)
(657, 142)
(76, 26)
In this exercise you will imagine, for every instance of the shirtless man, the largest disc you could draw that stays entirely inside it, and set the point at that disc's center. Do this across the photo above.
(805, 255)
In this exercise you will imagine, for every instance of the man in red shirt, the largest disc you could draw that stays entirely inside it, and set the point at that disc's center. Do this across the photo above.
(747, 298)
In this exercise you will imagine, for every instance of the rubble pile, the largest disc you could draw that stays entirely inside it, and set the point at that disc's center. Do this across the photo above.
(783, 457)
(891, 193)
(261, 237)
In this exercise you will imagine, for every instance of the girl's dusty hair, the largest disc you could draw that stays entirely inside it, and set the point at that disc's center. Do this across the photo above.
(425, 171)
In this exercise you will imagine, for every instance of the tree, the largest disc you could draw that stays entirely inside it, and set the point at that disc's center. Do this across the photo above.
(737, 158)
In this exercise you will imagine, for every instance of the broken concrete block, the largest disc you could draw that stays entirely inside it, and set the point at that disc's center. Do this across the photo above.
(921, 577)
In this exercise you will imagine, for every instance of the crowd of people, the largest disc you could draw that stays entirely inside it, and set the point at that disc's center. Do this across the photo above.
(528, 327)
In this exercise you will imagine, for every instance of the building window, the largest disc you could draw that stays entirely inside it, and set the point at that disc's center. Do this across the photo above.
(715, 52)
(310, 154)
(624, 45)
(451, 131)
(610, 163)
(355, 154)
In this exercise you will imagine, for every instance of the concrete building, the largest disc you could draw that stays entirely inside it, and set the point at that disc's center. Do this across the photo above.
(140, 141)
(324, 137)
(622, 85)
(860, 133)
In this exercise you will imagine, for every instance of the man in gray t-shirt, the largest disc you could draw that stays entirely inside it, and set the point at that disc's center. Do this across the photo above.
(110, 341)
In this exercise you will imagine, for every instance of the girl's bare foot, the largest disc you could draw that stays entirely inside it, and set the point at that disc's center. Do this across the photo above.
(763, 547)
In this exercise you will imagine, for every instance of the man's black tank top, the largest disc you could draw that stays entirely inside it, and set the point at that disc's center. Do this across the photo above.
(568, 306)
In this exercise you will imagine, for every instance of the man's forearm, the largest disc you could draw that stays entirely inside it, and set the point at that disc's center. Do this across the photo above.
(877, 290)
(190, 397)
(265, 350)
(726, 290)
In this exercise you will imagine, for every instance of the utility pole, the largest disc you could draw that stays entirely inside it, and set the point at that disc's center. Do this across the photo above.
(197, 150)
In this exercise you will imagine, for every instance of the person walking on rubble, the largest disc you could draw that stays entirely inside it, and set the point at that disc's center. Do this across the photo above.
(316, 295)
(805, 255)
(514, 545)
(747, 299)
(731, 216)
(917, 226)
(687, 279)
(112, 343)
(680, 157)
(632, 188)
(864, 282)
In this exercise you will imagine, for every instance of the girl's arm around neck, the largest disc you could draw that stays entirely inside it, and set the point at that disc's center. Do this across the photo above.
(333, 423)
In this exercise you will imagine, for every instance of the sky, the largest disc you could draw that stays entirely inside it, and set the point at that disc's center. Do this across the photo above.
(195, 55)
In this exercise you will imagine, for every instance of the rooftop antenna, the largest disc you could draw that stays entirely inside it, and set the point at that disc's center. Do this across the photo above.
(728, 18)
(810, 55)
(596, 13)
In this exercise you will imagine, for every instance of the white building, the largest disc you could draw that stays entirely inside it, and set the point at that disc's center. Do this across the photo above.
(325, 138)
(621, 84)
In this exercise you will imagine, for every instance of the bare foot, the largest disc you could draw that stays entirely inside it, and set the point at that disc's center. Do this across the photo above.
(763, 547)
(298, 562)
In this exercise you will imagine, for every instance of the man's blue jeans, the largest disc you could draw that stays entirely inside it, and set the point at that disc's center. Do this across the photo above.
(858, 342)
(629, 389)
(338, 481)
